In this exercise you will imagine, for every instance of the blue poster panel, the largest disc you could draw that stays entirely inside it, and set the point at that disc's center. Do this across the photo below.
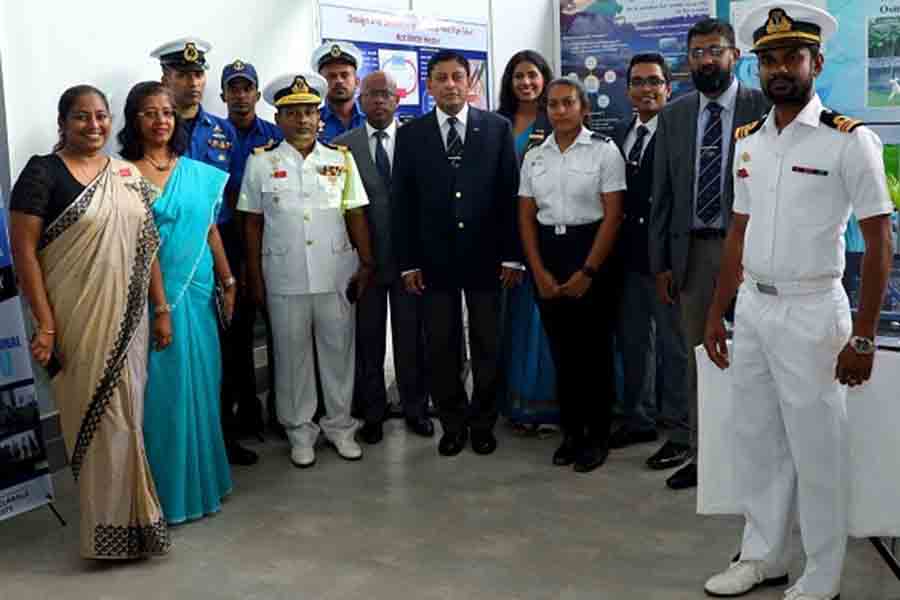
(401, 44)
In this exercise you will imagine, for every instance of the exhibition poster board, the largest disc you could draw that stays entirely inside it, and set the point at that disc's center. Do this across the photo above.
(402, 43)
(599, 37)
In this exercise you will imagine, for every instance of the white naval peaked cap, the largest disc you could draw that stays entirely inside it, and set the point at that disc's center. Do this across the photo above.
(296, 88)
(336, 50)
(778, 24)
(183, 53)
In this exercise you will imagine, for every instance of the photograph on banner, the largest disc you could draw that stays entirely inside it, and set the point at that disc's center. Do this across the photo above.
(599, 37)
(401, 44)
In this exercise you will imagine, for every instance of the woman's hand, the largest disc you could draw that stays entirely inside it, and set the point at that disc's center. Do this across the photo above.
(42, 347)
(162, 331)
(577, 285)
(547, 286)
(229, 300)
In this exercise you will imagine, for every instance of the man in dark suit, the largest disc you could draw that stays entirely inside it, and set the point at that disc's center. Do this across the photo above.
(692, 197)
(454, 194)
(372, 146)
(643, 319)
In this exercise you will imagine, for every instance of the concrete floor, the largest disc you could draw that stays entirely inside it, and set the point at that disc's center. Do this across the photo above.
(404, 523)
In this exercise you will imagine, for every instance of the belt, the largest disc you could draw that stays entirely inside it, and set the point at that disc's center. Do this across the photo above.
(791, 288)
(562, 230)
(708, 233)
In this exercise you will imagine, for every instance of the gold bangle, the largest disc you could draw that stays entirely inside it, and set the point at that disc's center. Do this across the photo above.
(229, 282)
(45, 331)
(162, 309)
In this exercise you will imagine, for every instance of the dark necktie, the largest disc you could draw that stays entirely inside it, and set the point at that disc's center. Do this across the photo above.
(454, 143)
(709, 184)
(634, 157)
(382, 162)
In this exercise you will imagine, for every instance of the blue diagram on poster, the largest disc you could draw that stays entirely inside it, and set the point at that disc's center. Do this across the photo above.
(599, 37)
(401, 44)
(862, 61)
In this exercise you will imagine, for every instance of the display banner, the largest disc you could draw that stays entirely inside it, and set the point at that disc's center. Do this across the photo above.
(599, 37)
(24, 471)
(402, 43)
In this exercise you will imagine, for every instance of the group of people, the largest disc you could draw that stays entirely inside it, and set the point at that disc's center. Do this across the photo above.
(566, 246)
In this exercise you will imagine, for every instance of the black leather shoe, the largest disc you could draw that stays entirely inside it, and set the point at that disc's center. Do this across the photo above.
(590, 458)
(452, 443)
(483, 442)
(671, 455)
(371, 433)
(565, 454)
(684, 478)
(238, 455)
(625, 436)
(421, 426)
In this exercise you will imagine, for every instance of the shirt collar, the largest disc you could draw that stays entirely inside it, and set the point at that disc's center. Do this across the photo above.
(650, 125)
(585, 136)
(390, 130)
(327, 113)
(203, 116)
(462, 116)
(810, 115)
(727, 100)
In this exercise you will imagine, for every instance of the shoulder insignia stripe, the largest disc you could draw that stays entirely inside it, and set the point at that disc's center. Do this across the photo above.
(840, 122)
(749, 129)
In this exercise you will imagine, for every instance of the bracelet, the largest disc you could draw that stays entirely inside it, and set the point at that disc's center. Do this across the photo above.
(229, 282)
(162, 309)
(40, 331)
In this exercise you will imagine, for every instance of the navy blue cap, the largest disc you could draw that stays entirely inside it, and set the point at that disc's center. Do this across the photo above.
(239, 68)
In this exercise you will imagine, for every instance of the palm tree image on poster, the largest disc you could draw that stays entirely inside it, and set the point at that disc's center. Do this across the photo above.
(883, 48)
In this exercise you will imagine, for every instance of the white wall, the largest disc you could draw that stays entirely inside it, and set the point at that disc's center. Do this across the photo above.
(519, 26)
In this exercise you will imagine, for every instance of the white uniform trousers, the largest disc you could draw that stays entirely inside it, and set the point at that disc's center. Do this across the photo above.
(294, 317)
(790, 423)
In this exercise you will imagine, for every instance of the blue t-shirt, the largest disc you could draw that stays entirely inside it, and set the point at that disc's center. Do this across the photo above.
(213, 141)
(261, 133)
(332, 126)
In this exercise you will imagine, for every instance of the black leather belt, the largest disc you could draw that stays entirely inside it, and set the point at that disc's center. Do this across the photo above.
(708, 233)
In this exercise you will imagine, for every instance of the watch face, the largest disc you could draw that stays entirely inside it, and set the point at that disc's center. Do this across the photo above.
(863, 345)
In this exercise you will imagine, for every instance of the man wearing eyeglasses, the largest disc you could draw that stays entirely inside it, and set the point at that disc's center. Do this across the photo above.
(643, 319)
(691, 208)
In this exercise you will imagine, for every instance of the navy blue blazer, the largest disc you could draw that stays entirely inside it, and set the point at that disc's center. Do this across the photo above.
(633, 245)
(456, 224)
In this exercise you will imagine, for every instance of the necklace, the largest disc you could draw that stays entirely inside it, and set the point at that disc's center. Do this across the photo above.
(158, 166)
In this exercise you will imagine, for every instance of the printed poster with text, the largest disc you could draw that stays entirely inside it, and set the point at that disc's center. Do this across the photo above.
(402, 43)
(599, 37)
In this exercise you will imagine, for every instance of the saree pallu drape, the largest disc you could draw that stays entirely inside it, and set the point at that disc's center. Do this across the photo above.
(182, 423)
(96, 259)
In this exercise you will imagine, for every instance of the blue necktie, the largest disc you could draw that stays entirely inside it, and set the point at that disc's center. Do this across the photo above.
(382, 162)
(709, 184)
(634, 157)
(454, 143)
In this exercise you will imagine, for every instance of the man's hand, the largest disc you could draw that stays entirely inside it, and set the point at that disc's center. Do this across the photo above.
(665, 287)
(547, 286)
(715, 341)
(853, 368)
(414, 282)
(510, 277)
(364, 277)
(259, 292)
(577, 285)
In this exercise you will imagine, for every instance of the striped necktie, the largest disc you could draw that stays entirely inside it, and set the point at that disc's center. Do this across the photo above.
(454, 143)
(634, 157)
(709, 184)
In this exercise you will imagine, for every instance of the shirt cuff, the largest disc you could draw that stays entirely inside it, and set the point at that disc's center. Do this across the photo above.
(408, 272)
(513, 265)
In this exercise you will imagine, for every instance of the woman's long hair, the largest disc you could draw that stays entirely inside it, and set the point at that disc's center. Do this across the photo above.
(509, 103)
(130, 135)
(65, 104)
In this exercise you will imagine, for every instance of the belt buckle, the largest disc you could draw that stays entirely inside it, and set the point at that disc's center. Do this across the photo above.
(559, 229)
(766, 288)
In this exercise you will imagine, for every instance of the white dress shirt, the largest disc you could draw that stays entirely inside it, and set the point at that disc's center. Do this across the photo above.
(631, 138)
(799, 187)
(566, 185)
(387, 142)
(727, 101)
(462, 116)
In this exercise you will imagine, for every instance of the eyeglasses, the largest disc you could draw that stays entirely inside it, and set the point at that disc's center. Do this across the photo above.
(379, 94)
(654, 82)
(153, 115)
(714, 51)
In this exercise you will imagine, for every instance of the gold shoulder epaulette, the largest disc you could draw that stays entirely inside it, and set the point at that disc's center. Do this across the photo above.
(268, 147)
(839, 121)
(749, 129)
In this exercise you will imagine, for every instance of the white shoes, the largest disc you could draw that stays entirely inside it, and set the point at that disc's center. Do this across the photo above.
(303, 456)
(740, 578)
(795, 594)
(347, 448)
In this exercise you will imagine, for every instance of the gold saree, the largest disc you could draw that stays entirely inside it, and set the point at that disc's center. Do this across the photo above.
(96, 258)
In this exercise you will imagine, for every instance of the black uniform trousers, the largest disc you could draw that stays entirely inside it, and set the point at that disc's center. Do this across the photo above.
(579, 331)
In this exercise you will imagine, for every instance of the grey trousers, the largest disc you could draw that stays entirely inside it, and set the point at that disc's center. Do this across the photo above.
(644, 321)
(695, 296)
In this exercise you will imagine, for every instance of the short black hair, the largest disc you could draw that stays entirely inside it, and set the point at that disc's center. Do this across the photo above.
(649, 58)
(130, 135)
(509, 103)
(445, 56)
(712, 26)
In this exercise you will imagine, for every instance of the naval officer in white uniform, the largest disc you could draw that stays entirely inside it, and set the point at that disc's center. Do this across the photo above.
(309, 258)
(798, 175)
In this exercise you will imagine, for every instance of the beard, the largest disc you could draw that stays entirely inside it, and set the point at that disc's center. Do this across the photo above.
(711, 82)
(796, 91)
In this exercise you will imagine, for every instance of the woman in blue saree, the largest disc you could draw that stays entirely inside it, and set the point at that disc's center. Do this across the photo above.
(530, 379)
(182, 426)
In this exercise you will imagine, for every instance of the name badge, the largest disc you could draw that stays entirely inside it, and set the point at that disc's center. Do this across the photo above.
(559, 229)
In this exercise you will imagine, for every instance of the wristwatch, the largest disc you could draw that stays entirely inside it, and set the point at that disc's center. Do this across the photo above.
(229, 282)
(589, 271)
(862, 345)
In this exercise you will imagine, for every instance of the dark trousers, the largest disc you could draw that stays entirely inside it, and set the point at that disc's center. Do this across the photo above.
(580, 331)
(408, 337)
(443, 340)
